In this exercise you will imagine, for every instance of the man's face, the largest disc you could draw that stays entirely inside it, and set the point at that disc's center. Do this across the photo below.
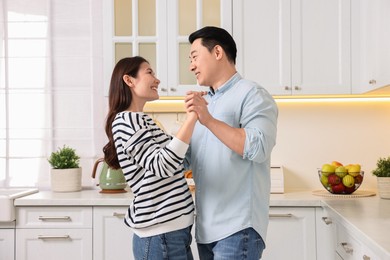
(202, 63)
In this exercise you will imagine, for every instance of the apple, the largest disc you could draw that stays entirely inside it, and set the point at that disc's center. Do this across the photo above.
(333, 179)
(338, 188)
(327, 169)
(349, 190)
(358, 179)
(354, 170)
(336, 164)
(324, 180)
(341, 171)
(348, 181)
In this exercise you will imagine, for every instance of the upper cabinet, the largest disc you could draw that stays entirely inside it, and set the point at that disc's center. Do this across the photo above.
(295, 47)
(158, 30)
(370, 45)
(305, 47)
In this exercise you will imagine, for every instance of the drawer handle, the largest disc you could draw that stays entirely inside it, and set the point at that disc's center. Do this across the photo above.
(347, 248)
(119, 215)
(366, 257)
(327, 220)
(53, 237)
(288, 215)
(45, 218)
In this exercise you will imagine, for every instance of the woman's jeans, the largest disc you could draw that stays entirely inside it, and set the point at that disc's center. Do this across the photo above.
(173, 245)
(245, 244)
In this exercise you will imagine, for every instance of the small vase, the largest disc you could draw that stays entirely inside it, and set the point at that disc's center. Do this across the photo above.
(66, 180)
(384, 187)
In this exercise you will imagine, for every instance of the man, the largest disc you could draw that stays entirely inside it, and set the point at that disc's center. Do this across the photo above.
(229, 151)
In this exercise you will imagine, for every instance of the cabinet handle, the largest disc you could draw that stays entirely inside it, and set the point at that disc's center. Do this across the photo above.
(53, 237)
(287, 88)
(372, 82)
(365, 257)
(347, 248)
(119, 215)
(44, 218)
(173, 89)
(164, 90)
(297, 88)
(327, 220)
(288, 215)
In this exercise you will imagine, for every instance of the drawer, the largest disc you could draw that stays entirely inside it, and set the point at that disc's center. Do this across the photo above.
(54, 217)
(347, 246)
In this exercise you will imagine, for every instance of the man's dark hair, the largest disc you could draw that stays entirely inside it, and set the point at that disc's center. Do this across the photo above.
(212, 36)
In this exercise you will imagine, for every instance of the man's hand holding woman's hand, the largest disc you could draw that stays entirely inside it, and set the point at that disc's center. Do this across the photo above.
(194, 102)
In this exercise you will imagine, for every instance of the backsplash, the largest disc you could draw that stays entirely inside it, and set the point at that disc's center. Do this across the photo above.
(313, 133)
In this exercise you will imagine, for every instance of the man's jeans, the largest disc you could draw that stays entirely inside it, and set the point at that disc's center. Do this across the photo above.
(173, 245)
(245, 244)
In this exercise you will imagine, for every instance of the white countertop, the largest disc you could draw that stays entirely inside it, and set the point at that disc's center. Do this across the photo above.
(367, 217)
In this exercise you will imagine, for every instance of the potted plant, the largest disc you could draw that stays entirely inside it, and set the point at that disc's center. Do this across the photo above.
(66, 171)
(382, 172)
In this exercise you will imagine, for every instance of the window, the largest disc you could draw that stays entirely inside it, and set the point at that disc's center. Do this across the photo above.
(50, 90)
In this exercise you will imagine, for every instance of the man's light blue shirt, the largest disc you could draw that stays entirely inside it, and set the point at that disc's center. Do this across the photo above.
(232, 191)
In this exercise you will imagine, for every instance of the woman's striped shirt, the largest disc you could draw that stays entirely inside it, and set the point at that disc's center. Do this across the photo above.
(152, 163)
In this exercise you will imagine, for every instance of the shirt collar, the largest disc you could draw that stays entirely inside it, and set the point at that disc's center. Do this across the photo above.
(225, 87)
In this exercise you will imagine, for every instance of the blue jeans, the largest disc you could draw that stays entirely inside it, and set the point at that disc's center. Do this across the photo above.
(173, 245)
(245, 244)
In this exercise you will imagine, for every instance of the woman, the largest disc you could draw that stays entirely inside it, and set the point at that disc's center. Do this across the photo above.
(161, 213)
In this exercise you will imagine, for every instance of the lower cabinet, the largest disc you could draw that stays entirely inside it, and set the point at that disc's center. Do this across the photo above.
(291, 234)
(7, 238)
(112, 239)
(341, 242)
(349, 247)
(326, 235)
(59, 233)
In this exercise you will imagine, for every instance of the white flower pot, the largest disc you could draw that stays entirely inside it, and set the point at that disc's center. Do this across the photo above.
(66, 180)
(384, 187)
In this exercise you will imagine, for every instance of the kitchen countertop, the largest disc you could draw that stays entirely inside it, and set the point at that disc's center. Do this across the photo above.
(367, 217)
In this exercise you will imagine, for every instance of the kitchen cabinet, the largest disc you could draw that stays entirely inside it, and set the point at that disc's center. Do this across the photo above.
(370, 44)
(350, 248)
(345, 243)
(7, 238)
(112, 239)
(325, 234)
(295, 47)
(158, 31)
(291, 233)
(53, 233)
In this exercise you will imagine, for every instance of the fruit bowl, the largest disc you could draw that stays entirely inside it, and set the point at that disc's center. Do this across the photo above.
(341, 183)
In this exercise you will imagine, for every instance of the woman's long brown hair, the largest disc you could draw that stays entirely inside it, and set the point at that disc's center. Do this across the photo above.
(119, 99)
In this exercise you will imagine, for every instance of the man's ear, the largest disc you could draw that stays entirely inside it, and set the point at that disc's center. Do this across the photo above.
(218, 51)
(128, 80)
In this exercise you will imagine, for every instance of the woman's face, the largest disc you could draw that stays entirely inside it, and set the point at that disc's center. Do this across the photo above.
(145, 85)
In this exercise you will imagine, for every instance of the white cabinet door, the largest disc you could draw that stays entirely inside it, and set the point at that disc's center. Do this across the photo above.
(321, 46)
(295, 47)
(112, 239)
(325, 235)
(291, 234)
(7, 238)
(370, 44)
(59, 244)
(263, 35)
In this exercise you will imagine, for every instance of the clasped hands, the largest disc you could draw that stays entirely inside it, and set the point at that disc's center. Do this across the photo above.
(196, 105)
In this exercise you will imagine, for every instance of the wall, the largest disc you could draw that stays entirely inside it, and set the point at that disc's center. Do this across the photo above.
(311, 133)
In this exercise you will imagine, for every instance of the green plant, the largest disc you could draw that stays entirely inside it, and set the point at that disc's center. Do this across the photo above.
(64, 158)
(383, 168)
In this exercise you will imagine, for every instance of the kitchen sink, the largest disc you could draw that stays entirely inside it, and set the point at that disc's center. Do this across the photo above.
(7, 197)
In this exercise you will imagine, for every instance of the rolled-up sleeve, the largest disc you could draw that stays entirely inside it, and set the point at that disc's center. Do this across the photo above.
(259, 120)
